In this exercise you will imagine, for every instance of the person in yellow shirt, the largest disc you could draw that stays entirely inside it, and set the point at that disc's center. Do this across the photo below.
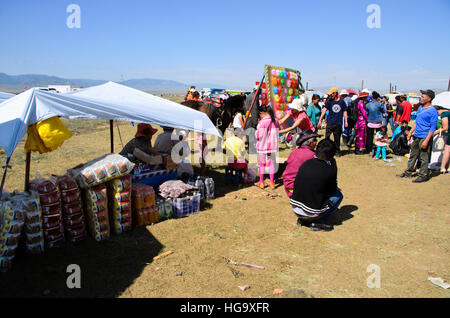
(235, 149)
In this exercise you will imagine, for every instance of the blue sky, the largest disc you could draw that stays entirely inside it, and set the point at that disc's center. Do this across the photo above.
(229, 42)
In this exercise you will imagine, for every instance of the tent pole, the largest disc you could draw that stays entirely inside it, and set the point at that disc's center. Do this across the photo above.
(111, 132)
(4, 175)
(27, 171)
(254, 99)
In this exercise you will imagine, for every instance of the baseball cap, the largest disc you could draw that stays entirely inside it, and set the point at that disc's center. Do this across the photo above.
(429, 93)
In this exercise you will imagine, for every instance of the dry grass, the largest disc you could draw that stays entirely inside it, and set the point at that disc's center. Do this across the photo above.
(383, 220)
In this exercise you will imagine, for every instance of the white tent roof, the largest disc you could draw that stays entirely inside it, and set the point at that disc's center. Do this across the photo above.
(108, 101)
(5, 96)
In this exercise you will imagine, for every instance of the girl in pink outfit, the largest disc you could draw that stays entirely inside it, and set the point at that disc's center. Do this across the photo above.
(381, 141)
(266, 143)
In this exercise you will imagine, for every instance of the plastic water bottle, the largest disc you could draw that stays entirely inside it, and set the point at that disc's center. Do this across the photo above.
(209, 185)
(200, 186)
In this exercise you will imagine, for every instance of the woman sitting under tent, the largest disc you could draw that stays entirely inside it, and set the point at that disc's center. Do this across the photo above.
(142, 140)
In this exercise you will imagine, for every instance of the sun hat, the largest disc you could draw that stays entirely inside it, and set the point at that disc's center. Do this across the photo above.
(365, 90)
(297, 104)
(141, 131)
(363, 94)
(344, 92)
(306, 135)
(333, 90)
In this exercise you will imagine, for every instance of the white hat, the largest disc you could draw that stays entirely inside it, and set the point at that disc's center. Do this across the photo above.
(365, 90)
(354, 97)
(192, 90)
(297, 104)
(344, 92)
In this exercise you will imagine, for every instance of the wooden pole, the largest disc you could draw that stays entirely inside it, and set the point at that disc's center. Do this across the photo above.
(27, 171)
(254, 99)
(111, 133)
(4, 175)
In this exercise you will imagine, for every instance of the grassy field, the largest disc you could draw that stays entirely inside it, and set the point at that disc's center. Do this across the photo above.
(383, 220)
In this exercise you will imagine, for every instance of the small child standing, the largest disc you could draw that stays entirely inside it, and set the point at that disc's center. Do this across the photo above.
(381, 141)
(267, 144)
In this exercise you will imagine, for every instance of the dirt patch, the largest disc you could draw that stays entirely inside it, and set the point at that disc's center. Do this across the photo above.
(383, 220)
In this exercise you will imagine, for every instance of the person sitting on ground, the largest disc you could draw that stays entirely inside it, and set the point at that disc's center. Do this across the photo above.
(399, 129)
(399, 144)
(142, 140)
(316, 195)
(298, 113)
(381, 141)
(306, 143)
(235, 149)
(166, 140)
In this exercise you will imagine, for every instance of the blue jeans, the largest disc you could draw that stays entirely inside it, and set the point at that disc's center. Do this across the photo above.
(335, 200)
(390, 121)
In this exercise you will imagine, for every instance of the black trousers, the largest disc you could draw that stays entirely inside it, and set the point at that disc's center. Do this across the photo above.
(370, 134)
(336, 130)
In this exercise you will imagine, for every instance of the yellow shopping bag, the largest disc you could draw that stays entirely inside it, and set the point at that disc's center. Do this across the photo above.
(47, 135)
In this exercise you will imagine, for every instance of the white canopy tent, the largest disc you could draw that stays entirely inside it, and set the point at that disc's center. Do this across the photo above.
(108, 101)
(5, 96)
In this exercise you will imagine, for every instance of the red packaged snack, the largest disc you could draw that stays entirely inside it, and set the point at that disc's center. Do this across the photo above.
(42, 186)
(123, 196)
(102, 216)
(54, 230)
(33, 218)
(49, 198)
(16, 228)
(33, 228)
(74, 220)
(56, 243)
(12, 240)
(54, 237)
(70, 197)
(66, 183)
(51, 209)
(72, 209)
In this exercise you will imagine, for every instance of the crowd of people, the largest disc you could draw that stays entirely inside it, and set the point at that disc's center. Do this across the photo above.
(310, 172)
(360, 120)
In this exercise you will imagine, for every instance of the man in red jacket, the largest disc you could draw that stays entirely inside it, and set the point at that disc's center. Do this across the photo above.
(407, 108)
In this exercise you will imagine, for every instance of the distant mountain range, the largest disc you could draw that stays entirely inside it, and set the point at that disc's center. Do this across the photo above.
(16, 83)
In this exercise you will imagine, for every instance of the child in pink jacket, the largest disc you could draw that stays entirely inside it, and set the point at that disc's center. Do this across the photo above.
(381, 141)
(267, 143)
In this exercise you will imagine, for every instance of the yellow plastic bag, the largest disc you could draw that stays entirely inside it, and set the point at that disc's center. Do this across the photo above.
(47, 135)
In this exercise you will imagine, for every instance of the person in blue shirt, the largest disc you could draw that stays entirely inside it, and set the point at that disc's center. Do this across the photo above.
(422, 132)
(375, 112)
(337, 112)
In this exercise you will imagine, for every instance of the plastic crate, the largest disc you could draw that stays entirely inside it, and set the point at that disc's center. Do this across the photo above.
(186, 206)
(155, 178)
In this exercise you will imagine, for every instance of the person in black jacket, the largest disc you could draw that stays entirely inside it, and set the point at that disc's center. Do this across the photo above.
(316, 194)
(399, 144)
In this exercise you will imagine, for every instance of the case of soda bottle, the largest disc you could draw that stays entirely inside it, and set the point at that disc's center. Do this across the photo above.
(145, 211)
